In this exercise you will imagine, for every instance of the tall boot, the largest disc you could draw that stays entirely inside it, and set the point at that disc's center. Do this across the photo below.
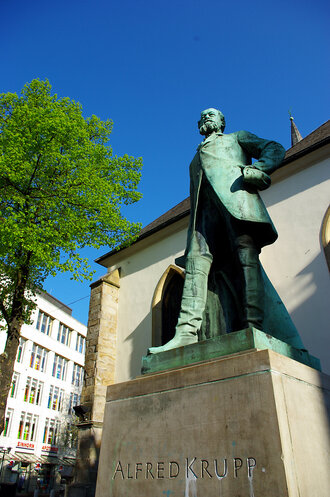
(192, 305)
(253, 287)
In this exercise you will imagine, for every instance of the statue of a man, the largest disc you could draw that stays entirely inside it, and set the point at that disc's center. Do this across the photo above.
(229, 225)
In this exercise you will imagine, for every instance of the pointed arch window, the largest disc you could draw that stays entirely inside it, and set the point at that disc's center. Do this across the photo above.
(166, 305)
(325, 236)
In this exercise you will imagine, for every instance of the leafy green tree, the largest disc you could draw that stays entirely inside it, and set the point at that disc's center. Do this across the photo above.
(61, 189)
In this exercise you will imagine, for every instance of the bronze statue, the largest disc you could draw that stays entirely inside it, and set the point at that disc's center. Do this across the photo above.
(229, 225)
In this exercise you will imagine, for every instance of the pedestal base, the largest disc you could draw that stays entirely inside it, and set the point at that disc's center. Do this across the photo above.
(231, 343)
(253, 424)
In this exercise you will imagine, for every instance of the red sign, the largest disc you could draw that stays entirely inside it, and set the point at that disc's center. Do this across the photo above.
(37, 466)
(49, 448)
(60, 468)
(26, 445)
(11, 464)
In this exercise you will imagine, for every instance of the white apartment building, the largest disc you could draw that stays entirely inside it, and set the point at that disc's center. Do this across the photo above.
(37, 446)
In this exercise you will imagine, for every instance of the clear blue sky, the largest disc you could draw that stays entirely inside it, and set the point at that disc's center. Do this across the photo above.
(152, 66)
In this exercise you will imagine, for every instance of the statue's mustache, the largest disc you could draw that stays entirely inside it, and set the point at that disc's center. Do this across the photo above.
(208, 126)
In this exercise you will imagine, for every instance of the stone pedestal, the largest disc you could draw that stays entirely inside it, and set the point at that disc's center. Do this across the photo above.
(253, 424)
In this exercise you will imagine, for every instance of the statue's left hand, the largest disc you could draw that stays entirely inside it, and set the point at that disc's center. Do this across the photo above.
(255, 177)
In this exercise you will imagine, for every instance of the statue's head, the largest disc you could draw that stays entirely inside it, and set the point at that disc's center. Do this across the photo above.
(211, 120)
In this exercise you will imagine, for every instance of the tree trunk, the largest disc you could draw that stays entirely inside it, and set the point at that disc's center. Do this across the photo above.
(14, 319)
(7, 362)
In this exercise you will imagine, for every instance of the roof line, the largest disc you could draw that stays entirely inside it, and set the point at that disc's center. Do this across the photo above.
(304, 151)
(55, 301)
(316, 139)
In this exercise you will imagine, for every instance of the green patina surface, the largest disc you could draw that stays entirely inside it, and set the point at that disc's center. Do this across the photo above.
(225, 287)
(224, 345)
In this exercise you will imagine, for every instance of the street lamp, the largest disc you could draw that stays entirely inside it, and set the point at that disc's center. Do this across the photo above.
(3, 451)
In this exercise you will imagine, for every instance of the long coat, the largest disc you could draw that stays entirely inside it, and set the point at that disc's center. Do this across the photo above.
(220, 157)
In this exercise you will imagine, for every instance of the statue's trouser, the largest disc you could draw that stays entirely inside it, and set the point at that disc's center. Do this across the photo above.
(195, 291)
(193, 296)
(196, 282)
(212, 219)
(192, 303)
(253, 290)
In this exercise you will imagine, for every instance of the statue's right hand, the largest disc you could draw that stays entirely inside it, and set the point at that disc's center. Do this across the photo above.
(255, 177)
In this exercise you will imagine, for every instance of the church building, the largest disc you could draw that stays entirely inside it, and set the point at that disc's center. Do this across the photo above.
(135, 304)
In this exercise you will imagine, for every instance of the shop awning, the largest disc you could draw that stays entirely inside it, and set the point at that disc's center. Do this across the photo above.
(69, 461)
(49, 460)
(64, 461)
(21, 457)
(33, 459)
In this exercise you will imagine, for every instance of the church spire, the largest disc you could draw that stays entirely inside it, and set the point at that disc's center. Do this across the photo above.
(295, 135)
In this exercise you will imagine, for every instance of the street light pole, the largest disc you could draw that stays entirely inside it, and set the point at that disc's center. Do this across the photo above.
(4, 451)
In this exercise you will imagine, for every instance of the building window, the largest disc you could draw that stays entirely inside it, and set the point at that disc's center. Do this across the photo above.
(64, 334)
(33, 391)
(55, 399)
(14, 385)
(20, 350)
(59, 367)
(77, 375)
(8, 419)
(38, 358)
(27, 427)
(44, 323)
(51, 431)
(74, 401)
(80, 344)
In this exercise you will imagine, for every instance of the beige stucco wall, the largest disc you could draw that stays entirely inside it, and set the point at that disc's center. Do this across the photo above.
(139, 275)
(295, 264)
